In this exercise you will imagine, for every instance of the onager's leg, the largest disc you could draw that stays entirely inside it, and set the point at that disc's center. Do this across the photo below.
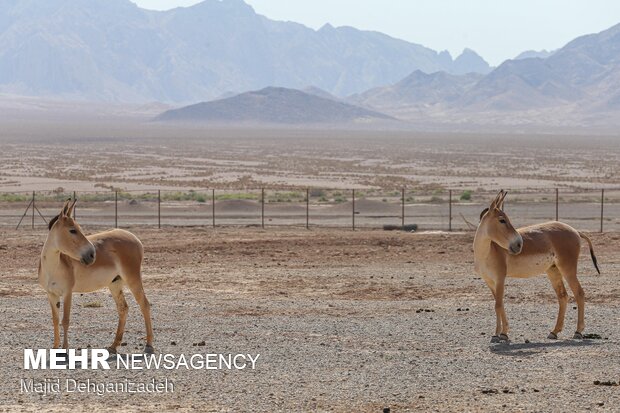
(555, 277)
(135, 285)
(66, 312)
(502, 321)
(116, 288)
(571, 278)
(55, 305)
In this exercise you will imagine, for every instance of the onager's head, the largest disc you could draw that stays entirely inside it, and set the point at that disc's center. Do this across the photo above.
(68, 237)
(494, 223)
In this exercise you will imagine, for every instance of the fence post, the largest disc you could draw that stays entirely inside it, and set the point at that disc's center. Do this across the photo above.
(402, 211)
(213, 207)
(557, 201)
(262, 207)
(353, 210)
(307, 208)
(74, 207)
(159, 208)
(449, 210)
(33, 209)
(602, 206)
(115, 209)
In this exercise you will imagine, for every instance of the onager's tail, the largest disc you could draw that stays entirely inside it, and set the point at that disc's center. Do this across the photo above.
(591, 251)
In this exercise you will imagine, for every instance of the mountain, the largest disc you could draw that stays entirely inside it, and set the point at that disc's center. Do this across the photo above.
(111, 50)
(543, 54)
(273, 106)
(577, 85)
(418, 89)
(586, 70)
(470, 62)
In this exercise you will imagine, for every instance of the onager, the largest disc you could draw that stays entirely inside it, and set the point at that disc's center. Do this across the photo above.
(73, 263)
(500, 251)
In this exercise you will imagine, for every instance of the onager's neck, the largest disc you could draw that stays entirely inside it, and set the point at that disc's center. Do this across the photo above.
(482, 246)
(50, 254)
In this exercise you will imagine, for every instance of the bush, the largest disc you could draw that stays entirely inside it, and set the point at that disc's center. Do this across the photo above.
(466, 195)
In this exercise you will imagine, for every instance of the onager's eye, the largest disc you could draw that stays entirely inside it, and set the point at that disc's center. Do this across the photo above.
(73, 231)
(502, 221)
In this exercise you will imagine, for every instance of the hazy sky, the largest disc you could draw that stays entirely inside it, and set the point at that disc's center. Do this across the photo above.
(496, 29)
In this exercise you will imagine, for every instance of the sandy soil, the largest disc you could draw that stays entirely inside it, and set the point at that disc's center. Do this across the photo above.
(343, 321)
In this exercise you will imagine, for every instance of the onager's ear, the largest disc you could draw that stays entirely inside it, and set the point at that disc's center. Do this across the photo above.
(71, 206)
(496, 200)
(500, 204)
(65, 208)
(484, 211)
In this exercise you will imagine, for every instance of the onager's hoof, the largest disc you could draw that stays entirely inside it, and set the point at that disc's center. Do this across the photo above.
(504, 337)
(148, 349)
(111, 350)
(578, 336)
(495, 339)
(552, 336)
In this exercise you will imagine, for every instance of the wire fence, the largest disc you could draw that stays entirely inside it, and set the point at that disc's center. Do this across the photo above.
(404, 208)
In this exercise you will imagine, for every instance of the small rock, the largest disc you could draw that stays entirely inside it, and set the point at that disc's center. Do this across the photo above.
(202, 343)
(173, 343)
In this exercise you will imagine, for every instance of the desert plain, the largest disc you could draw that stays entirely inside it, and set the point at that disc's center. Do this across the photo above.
(343, 320)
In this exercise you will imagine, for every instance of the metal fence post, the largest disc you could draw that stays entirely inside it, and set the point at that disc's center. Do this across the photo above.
(33, 209)
(557, 201)
(262, 207)
(159, 208)
(307, 208)
(213, 207)
(602, 206)
(450, 210)
(353, 210)
(115, 209)
(402, 210)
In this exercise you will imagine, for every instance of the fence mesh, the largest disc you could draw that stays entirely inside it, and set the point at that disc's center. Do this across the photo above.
(457, 210)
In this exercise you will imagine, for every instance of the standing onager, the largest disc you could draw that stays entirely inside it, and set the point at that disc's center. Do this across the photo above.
(500, 251)
(71, 262)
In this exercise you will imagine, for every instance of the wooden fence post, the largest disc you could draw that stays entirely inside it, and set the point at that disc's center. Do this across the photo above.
(602, 206)
(557, 201)
(33, 209)
(449, 210)
(353, 210)
(115, 209)
(402, 211)
(213, 207)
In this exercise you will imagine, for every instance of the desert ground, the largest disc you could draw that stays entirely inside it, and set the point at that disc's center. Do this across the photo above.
(343, 321)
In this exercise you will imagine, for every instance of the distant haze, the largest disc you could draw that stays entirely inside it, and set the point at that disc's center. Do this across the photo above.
(497, 30)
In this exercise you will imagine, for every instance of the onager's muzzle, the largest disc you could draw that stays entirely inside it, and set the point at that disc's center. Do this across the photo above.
(516, 245)
(89, 255)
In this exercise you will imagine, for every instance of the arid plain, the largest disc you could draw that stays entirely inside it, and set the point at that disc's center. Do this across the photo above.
(344, 320)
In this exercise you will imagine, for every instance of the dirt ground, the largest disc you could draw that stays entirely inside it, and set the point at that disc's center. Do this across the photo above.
(343, 321)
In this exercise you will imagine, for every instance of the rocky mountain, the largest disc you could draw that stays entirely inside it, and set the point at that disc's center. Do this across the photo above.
(586, 70)
(578, 84)
(273, 106)
(543, 54)
(418, 89)
(111, 50)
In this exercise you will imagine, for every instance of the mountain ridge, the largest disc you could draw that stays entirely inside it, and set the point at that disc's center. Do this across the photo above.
(116, 51)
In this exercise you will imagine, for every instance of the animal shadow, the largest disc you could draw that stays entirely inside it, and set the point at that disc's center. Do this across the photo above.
(530, 349)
